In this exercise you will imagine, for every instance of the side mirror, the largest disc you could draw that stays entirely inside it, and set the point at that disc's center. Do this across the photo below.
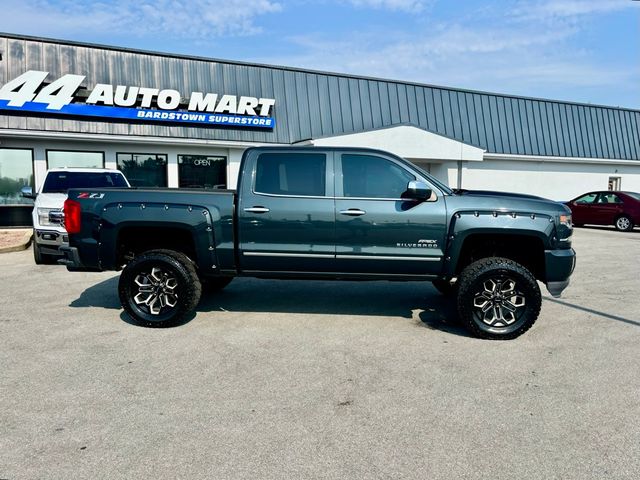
(27, 192)
(418, 190)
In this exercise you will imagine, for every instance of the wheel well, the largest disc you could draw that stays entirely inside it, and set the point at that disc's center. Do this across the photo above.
(132, 241)
(527, 250)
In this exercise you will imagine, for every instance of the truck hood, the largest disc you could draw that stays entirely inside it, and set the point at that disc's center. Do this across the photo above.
(50, 200)
(496, 193)
(495, 200)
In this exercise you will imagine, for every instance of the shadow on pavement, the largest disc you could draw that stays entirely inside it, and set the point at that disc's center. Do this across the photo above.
(418, 300)
(103, 294)
(595, 312)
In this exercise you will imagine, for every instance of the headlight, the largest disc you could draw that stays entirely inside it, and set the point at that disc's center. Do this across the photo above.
(565, 228)
(566, 221)
(43, 216)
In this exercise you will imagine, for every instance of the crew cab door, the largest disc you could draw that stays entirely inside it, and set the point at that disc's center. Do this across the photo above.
(377, 231)
(286, 212)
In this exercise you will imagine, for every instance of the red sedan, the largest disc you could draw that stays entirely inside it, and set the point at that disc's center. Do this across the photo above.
(621, 209)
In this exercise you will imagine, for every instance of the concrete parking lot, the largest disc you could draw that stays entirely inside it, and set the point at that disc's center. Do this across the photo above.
(283, 379)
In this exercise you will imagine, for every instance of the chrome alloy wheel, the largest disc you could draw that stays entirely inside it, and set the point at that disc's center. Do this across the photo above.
(499, 304)
(156, 291)
(623, 223)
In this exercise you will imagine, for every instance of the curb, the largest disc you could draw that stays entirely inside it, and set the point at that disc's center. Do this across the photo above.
(23, 244)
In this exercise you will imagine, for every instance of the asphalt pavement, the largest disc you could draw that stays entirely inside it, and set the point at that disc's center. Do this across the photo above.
(302, 380)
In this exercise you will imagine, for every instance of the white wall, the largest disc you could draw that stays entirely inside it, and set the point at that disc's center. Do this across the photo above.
(39, 147)
(557, 181)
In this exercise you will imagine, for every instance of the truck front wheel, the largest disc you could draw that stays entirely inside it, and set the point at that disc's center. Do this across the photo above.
(159, 288)
(498, 298)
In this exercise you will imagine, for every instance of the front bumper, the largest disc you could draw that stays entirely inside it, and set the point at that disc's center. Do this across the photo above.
(50, 241)
(559, 265)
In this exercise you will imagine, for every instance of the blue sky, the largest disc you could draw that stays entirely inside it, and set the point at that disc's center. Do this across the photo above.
(580, 50)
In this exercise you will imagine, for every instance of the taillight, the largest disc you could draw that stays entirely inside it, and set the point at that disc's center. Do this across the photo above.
(72, 213)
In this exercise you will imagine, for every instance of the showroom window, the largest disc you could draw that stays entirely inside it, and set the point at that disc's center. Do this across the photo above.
(74, 159)
(16, 171)
(367, 176)
(202, 171)
(291, 174)
(144, 169)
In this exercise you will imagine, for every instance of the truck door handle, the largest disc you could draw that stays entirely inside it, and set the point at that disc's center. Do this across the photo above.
(256, 209)
(352, 212)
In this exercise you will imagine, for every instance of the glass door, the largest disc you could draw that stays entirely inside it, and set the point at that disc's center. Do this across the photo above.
(202, 171)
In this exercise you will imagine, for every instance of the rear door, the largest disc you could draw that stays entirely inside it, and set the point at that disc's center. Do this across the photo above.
(377, 231)
(286, 220)
(606, 208)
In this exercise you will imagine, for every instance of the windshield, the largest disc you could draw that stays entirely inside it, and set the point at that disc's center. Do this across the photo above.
(634, 195)
(433, 180)
(60, 182)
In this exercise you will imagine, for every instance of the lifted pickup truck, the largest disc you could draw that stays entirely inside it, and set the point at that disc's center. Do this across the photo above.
(325, 213)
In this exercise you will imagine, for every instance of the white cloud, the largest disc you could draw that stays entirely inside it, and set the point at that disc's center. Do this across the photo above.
(489, 50)
(567, 9)
(197, 20)
(410, 6)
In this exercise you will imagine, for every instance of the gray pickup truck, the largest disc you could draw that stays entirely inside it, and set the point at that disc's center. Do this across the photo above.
(325, 213)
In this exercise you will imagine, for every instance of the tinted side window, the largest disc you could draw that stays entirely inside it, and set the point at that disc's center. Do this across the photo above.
(589, 198)
(368, 176)
(291, 174)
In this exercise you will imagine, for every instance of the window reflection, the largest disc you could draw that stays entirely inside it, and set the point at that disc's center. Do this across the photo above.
(144, 169)
(61, 159)
(16, 171)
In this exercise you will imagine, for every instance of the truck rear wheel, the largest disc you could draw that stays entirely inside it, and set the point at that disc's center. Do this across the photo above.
(159, 288)
(498, 298)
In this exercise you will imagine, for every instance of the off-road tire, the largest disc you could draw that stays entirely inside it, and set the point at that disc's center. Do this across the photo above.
(214, 284)
(623, 223)
(167, 274)
(511, 284)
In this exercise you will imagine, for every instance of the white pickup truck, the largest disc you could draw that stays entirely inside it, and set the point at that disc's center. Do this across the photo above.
(49, 235)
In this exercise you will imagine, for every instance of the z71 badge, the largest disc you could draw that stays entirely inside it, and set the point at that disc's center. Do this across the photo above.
(90, 195)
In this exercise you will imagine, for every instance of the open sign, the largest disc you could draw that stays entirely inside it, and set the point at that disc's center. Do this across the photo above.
(202, 162)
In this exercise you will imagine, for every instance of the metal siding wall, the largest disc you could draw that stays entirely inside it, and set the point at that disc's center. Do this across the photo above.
(429, 99)
(634, 134)
(376, 107)
(356, 107)
(455, 113)
(464, 117)
(311, 105)
(471, 117)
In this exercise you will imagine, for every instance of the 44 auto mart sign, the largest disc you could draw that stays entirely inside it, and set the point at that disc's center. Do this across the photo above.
(30, 93)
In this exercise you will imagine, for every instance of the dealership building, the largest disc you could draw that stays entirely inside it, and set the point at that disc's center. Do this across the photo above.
(178, 121)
